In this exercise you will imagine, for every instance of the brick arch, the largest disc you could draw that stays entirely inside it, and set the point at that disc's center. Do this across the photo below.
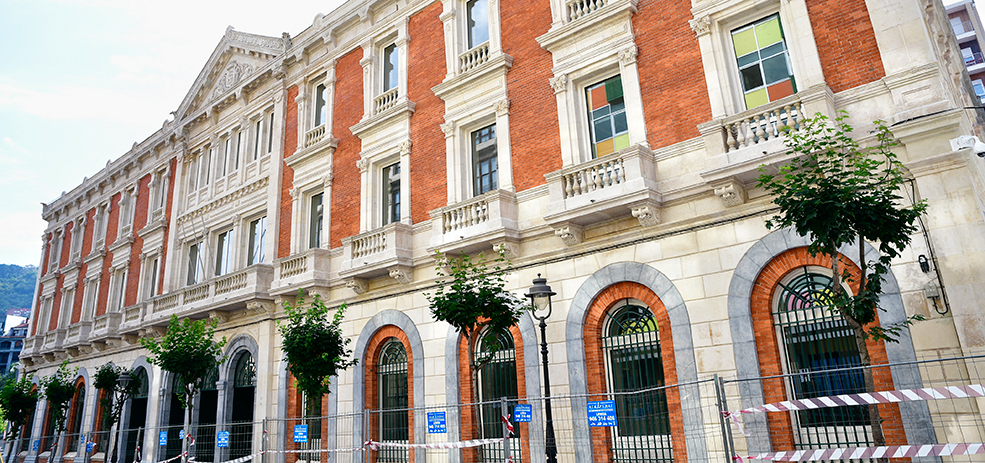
(596, 372)
(73, 411)
(467, 427)
(769, 259)
(371, 360)
(684, 368)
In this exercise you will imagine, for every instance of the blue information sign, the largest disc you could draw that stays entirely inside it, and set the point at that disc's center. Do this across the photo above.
(162, 438)
(89, 446)
(37, 445)
(301, 433)
(602, 413)
(222, 439)
(437, 423)
(181, 434)
(523, 413)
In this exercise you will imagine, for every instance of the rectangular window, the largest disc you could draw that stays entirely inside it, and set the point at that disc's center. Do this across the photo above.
(258, 235)
(195, 266)
(205, 165)
(764, 62)
(607, 116)
(90, 299)
(119, 286)
(237, 152)
(484, 160)
(257, 138)
(220, 167)
(391, 73)
(321, 106)
(315, 222)
(223, 253)
(478, 12)
(152, 281)
(391, 194)
(270, 132)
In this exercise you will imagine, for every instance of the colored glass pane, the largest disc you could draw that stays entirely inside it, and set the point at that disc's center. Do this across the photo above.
(744, 42)
(621, 142)
(757, 98)
(780, 90)
(598, 97)
(613, 89)
(605, 147)
(768, 32)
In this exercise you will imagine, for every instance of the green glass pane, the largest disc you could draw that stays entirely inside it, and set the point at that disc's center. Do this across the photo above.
(768, 32)
(756, 98)
(603, 129)
(771, 50)
(748, 59)
(622, 141)
(744, 42)
(619, 122)
(613, 89)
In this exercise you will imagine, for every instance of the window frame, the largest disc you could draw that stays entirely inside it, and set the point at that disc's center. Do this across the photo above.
(390, 196)
(256, 247)
(480, 155)
(194, 269)
(312, 239)
(225, 252)
(739, 67)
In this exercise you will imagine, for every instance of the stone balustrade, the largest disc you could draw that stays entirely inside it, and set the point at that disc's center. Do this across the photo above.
(762, 124)
(580, 8)
(595, 175)
(474, 57)
(314, 135)
(371, 253)
(386, 100)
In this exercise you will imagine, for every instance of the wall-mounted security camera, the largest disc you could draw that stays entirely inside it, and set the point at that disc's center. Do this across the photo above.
(968, 141)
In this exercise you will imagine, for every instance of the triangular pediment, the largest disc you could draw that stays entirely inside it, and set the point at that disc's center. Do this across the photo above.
(235, 61)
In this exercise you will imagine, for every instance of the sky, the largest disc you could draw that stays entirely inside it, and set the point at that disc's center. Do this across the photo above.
(82, 80)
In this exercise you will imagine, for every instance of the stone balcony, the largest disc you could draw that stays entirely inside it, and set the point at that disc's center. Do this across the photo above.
(611, 187)
(106, 326)
(32, 346)
(133, 318)
(54, 340)
(306, 269)
(223, 293)
(78, 334)
(476, 223)
(385, 251)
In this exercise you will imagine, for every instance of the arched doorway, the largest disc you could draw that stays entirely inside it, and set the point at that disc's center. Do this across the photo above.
(497, 379)
(74, 430)
(244, 391)
(393, 401)
(138, 414)
(207, 406)
(176, 419)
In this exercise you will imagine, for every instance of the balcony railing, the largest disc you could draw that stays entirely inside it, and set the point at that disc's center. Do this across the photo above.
(371, 253)
(581, 8)
(596, 175)
(300, 270)
(474, 57)
(314, 135)
(762, 124)
(195, 293)
(227, 292)
(386, 100)
(77, 332)
(975, 58)
(53, 339)
(484, 219)
(230, 283)
(106, 325)
(157, 215)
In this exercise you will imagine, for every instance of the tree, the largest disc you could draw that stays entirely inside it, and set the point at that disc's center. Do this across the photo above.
(471, 296)
(17, 401)
(188, 350)
(313, 346)
(839, 193)
(58, 389)
(115, 395)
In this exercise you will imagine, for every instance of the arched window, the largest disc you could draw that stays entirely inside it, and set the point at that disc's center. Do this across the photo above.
(635, 373)
(244, 388)
(813, 338)
(78, 409)
(138, 413)
(391, 374)
(497, 379)
(176, 419)
(208, 401)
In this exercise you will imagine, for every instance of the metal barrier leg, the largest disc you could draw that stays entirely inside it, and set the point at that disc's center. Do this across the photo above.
(504, 410)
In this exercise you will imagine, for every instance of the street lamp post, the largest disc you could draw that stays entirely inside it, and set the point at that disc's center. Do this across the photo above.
(120, 393)
(540, 297)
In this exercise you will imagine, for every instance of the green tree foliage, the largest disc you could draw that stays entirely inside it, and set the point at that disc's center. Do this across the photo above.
(17, 401)
(16, 286)
(188, 350)
(313, 344)
(471, 296)
(839, 193)
(107, 380)
(58, 389)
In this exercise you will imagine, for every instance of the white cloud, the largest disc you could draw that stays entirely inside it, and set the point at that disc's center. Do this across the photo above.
(20, 237)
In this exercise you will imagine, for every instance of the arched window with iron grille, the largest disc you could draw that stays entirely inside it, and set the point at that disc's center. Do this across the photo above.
(138, 412)
(391, 371)
(78, 404)
(497, 379)
(207, 408)
(244, 392)
(635, 375)
(815, 339)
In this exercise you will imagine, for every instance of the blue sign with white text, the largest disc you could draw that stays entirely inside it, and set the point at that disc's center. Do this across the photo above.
(523, 413)
(602, 413)
(301, 433)
(37, 445)
(89, 446)
(222, 439)
(181, 434)
(162, 438)
(437, 423)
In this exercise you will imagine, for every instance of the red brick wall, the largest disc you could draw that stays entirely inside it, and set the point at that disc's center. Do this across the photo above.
(428, 168)
(374, 349)
(112, 226)
(468, 426)
(672, 77)
(781, 428)
(86, 250)
(139, 221)
(348, 110)
(287, 178)
(846, 43)
(595, 362)
(535, 141)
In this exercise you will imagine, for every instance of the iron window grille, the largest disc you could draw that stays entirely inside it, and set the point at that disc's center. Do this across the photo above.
(393, 400)
(497, 379)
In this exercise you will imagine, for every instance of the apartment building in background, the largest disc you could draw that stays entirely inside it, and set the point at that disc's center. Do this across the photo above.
(611, 146)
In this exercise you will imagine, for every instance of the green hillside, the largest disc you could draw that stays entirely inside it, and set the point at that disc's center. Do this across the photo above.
(16, 286)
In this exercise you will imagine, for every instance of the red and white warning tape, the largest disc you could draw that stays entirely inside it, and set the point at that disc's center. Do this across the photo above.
(860, 453)
(360, 449)
(373, 445)
(169, 460)
(884, 397)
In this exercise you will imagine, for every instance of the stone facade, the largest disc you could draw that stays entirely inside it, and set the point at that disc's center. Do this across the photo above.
(271, 178)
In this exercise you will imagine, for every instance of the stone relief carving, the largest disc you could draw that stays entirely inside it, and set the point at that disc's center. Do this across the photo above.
(362, 164)
(448, 128)
(357, 285)
(569, 234)
(503, 107)
(405, 147)
(732, 194)
(701, 26)
(559, 83)
(234, 73)
(627, 55)
(646, 215)
(402, 275)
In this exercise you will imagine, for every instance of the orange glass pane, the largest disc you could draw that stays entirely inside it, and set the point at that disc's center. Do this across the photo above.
(598, 97)
(780, 89)
(603, 148)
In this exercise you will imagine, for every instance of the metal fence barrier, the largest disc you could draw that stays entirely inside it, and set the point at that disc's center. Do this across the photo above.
(819, 414)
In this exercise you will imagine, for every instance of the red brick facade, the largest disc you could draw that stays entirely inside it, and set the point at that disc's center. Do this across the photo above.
(846, 43)
(428, 176)
(347, 112)
(287, 178)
